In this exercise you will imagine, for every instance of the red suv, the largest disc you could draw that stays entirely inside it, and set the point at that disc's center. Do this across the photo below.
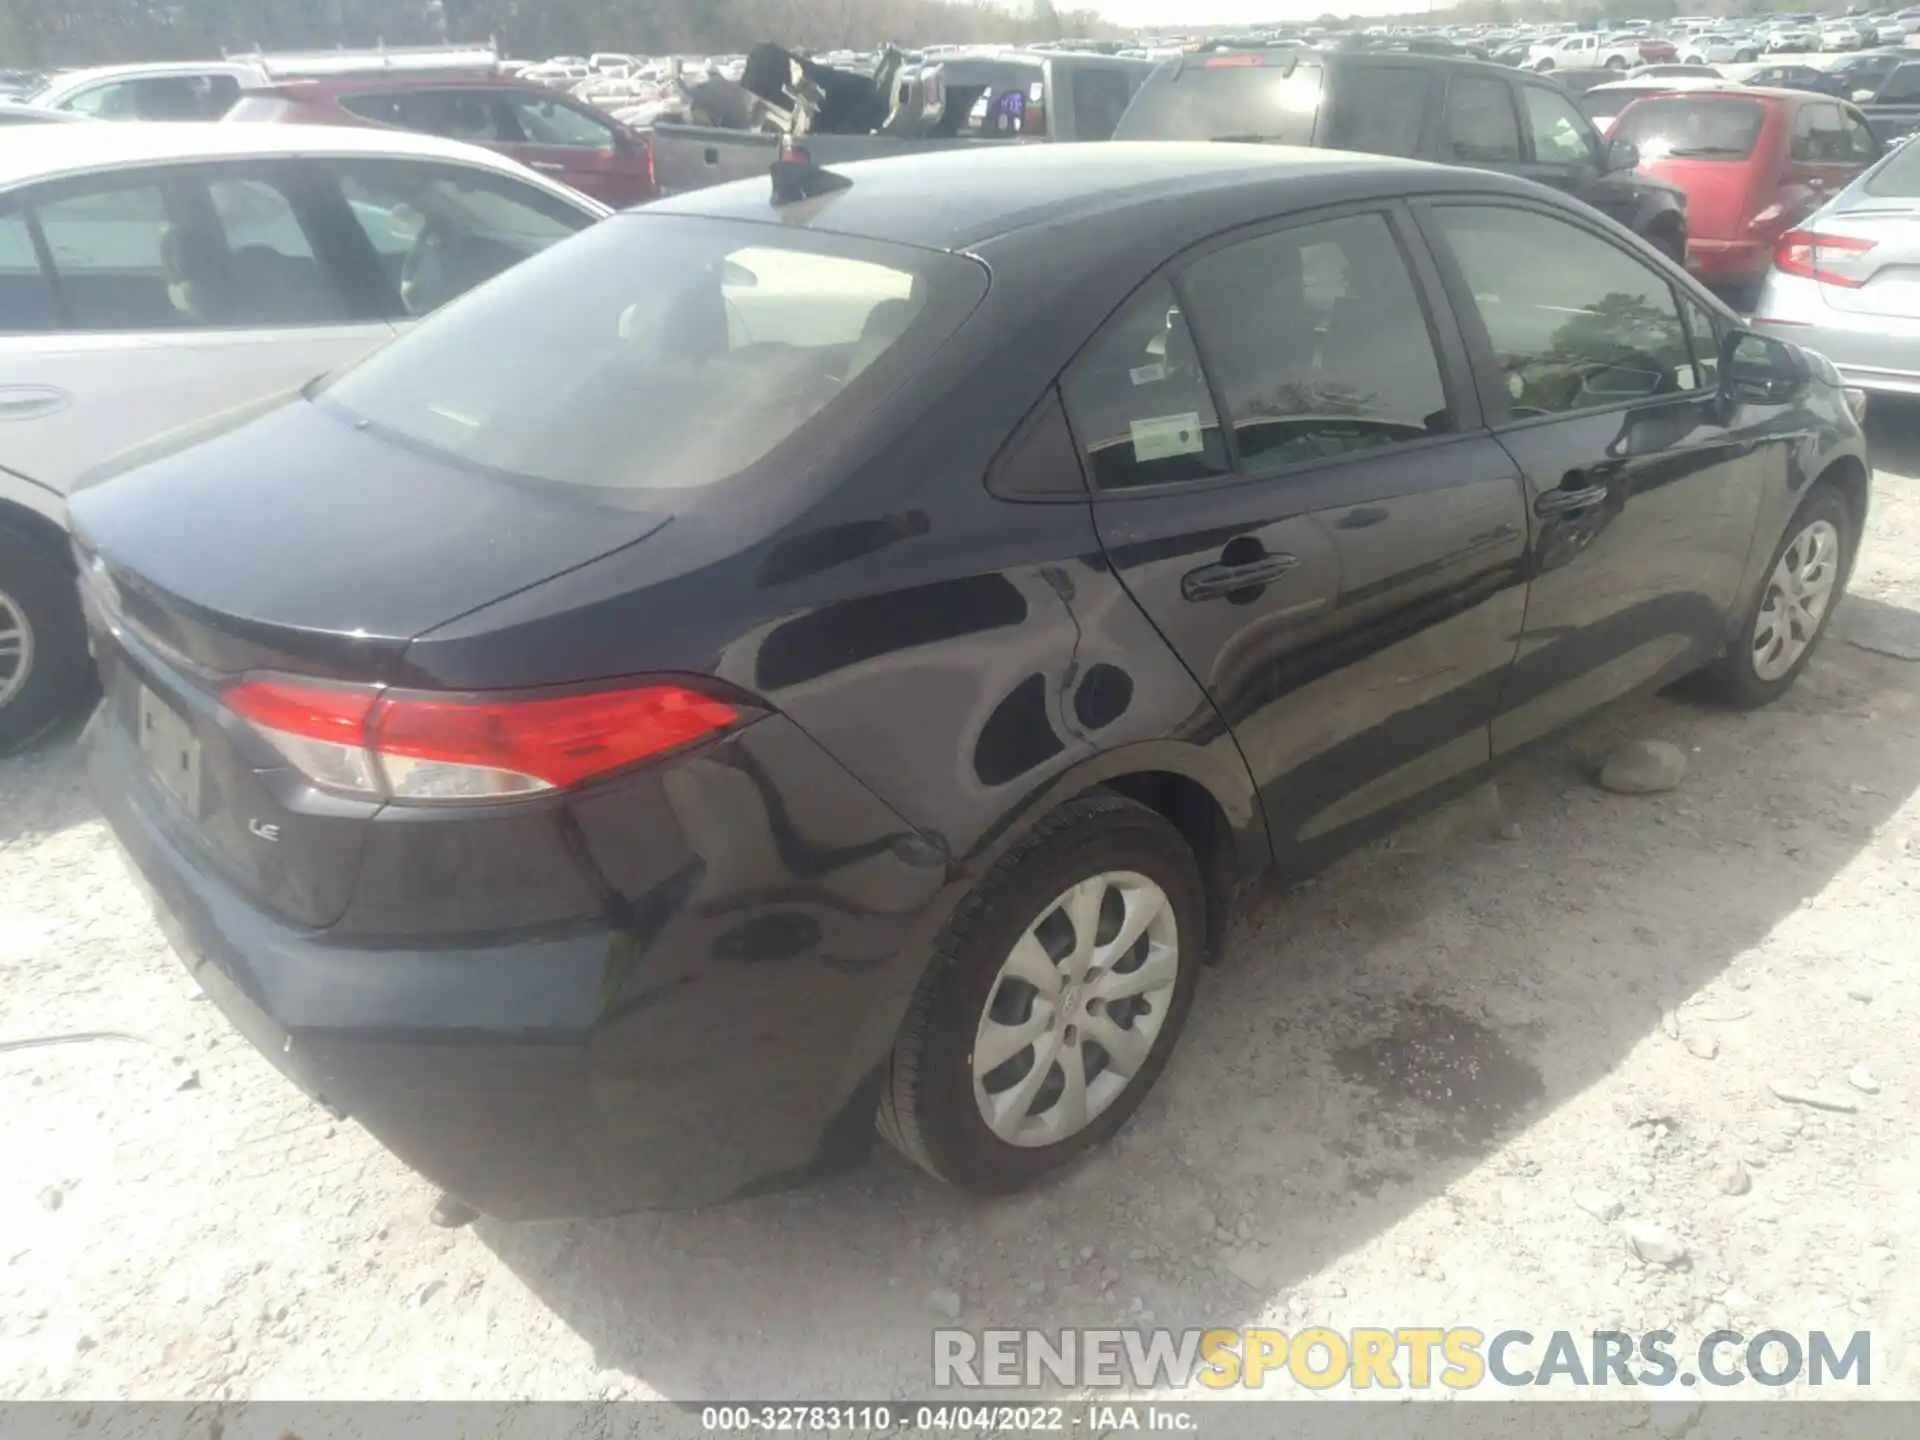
(1754, 164)
(566, 138)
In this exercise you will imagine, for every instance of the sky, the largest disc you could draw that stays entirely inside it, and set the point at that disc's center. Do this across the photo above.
(1190, 14)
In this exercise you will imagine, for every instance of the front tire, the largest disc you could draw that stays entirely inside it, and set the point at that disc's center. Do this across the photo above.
(1055, 995)
(1783, 626)
(45, 674)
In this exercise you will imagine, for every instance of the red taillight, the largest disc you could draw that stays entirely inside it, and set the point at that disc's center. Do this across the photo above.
(1812, 255)
(1033, 120)
(1231, 62)
(415, 746)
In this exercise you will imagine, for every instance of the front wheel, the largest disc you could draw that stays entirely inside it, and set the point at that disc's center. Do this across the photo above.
(45, 674)
(1053, 999)
(1786, 621)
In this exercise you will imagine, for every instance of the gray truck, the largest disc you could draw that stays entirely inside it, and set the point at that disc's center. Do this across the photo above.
(1894, 110)
(969, 97)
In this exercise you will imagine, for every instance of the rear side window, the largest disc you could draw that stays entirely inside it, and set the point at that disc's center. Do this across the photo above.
(1139, 403)
(660, 353)
(1818, 136)
(1099, 100)
(1380, 109)
(1215, 100)
(543, 120)
(1694, 127)
(1481, 128)
(1317, 342)
(1902, 87)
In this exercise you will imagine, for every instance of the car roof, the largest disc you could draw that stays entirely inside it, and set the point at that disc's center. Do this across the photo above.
(68, 79)
(1674, 84)
(43, 152)
(958, 198)
(294, 86)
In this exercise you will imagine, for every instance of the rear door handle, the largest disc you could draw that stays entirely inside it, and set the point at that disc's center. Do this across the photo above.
(1363, 517)
(549, 165)
(30, 402)
(1565, 501)
(1210, 582)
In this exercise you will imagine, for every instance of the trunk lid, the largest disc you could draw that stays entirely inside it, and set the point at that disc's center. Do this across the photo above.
(296, 543)
(1888, 273)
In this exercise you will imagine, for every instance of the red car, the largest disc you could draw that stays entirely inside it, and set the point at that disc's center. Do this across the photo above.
(1753, 163)
(554, 133)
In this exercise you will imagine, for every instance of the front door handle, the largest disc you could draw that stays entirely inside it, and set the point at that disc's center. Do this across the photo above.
(551, 166)
(1210, 582)
(1568, 499)
(30, 402)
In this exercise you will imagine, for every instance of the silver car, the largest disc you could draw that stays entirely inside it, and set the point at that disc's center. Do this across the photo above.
(1846, 282)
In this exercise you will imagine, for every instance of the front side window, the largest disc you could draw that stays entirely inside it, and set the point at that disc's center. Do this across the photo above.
(1560, 135)
(1138, 400)
(660, 353)
(1703, 332)
(1902, 87)
(1480, 123)
(1575, 323)
(1317, 342)
(1379, 109)
(273, 273)
(1862, 148)
(440, 230)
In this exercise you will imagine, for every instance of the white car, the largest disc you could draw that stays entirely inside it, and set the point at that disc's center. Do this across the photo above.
(1843, 35)
(153, 276)
(1584, 50)
(1721, 49)
(195, 90)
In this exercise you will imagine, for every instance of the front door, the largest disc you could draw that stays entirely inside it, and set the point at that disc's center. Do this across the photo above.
(1292, 482)
(1644, 487)
(1564, 150)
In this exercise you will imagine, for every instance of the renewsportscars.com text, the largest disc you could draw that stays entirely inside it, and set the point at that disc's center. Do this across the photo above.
(1367, 1358)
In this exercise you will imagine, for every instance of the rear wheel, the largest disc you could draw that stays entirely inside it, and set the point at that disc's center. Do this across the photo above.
(1665, 237)
(1786, 621)
(44, 670)
(1747, 57)
(1054, 998)
(1616, 62)
(1545, 65)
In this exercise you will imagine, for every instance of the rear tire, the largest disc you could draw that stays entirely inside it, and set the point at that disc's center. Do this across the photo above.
(1747, 57)
(1544, 66)
(1616, 62)
(1784, 625)
(45, 674)
(1096, 863)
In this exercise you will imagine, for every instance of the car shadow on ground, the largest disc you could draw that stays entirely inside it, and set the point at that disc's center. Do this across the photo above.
(1370, 1038)
(41, 786)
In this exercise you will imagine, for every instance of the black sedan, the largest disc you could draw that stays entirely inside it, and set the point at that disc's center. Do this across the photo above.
(812, 653)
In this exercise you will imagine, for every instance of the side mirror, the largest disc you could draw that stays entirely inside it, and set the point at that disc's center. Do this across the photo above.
(1862, 97)
(1760, 370)
(1622, 155)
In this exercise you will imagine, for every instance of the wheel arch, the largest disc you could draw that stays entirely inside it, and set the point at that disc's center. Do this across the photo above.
(37, 526)
(1848, 475)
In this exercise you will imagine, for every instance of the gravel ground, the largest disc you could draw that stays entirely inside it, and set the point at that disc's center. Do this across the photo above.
(1398, 1102)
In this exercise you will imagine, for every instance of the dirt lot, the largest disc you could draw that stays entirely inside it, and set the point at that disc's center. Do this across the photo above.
(1389, 1105)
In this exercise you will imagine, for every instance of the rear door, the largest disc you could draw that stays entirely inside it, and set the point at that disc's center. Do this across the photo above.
(1292, 480)
(1378, 107)
(155, 298)
(1482, 128)
(1826, 150)
(1601, 377)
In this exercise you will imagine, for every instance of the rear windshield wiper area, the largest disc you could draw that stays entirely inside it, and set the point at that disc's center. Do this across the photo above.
(1709, 152)
(1252, 140)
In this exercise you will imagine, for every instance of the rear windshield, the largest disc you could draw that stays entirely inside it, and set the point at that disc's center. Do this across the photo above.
(1721, 127)
(659, 352)
(1899, 178)
(1218, 101)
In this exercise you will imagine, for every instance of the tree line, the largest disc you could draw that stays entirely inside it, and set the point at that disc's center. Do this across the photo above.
(41, 34)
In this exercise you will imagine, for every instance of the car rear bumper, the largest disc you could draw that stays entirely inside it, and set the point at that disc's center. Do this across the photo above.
(1728, 262)
(719, 1036)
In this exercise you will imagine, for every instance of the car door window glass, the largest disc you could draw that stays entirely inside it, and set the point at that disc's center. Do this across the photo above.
(1560, 133)
(542, 120)
(27, 302)
(1704, 335)
(1902, 88)
(1139, 403)
(1378, 109)
(1480, 122)
(122, 262)
(277, 279)
(1317, 342)
(1575, 323)
(1099, 100)
(439, 230)
(1861, 148)
(1818, 136)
